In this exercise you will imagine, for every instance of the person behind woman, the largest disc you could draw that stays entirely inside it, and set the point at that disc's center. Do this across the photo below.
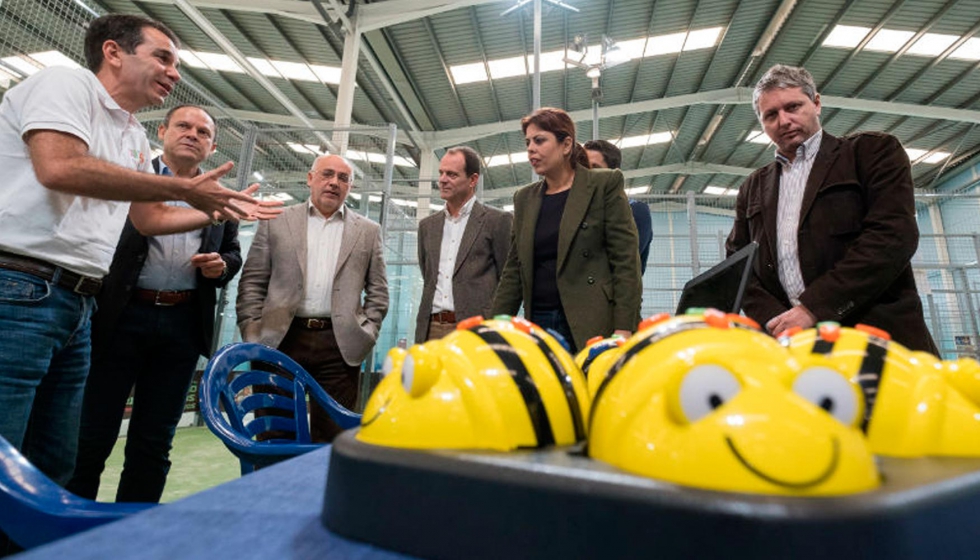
(573, 260)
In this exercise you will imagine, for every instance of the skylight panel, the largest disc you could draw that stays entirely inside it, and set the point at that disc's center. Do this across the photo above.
(23, 66)
(518, 157)
(403, 162)
(326, 74)
(54, 58)
(969, 50)
(932, 44)
(219, 62)
(642, 140)
(507, 67)
(508, 207)
(300, 148)
(264, 66)
(550, 61)
(914, 153)
(189, 58)
(469, 73)
(634, 141)
(846, 36)
(702, 38)
(294, 70)
(628, 50)
(494, 161)
(758, 137)
(936, 157)
(638, 190)
(889, 40)
(723, 191)
(665, 44)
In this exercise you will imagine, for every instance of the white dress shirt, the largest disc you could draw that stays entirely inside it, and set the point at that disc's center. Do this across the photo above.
(452, 235)
(792, 184)
(323, 238)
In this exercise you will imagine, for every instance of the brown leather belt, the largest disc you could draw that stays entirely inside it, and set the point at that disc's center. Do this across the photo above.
(444, 317)
(313, 323)
(84, 285)
(163, 297)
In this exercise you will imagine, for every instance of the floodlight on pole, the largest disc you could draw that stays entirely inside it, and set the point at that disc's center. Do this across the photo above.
(610, 55)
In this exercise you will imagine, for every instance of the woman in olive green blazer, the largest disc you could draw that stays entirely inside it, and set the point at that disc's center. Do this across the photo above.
(596, 264)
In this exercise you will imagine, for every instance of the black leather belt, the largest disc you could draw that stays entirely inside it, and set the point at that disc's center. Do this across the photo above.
(313, 323)
(163, 297)
(84, 285)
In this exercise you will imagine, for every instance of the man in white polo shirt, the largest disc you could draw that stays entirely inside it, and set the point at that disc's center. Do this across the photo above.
(70, 151)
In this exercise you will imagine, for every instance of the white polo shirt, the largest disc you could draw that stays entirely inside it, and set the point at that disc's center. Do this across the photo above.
(76, 232)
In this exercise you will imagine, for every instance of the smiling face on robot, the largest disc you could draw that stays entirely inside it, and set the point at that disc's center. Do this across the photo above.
(705, 400)
(500, 384)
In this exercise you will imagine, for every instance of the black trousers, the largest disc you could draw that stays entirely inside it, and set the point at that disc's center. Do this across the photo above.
(154, 349)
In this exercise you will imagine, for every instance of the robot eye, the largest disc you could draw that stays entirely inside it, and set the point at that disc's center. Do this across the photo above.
(706, 388)
(828, 389)
(388, 366)
(420, 370)
(408, 373)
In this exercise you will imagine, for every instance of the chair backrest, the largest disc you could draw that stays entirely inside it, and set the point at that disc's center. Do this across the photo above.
(265, 404)
(35, 511)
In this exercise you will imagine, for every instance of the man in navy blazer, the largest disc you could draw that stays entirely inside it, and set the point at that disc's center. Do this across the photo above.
(155, 318)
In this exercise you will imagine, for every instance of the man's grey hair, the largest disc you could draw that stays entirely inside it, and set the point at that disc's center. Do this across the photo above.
(781, 76)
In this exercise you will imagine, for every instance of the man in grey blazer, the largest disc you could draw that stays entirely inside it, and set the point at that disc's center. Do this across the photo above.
(462, 250)
(302, 284)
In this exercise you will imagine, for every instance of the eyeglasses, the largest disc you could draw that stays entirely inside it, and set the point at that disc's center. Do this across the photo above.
(328, 174)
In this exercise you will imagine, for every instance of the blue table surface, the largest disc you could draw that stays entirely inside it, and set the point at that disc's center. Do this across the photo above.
(272, 513)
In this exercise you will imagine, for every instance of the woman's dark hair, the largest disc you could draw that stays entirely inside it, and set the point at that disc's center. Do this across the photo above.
(561, 125)
(124, 29)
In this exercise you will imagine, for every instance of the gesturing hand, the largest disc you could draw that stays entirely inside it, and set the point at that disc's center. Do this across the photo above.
(207, 195)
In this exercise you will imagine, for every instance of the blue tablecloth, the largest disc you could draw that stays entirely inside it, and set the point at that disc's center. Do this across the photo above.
(273, 513)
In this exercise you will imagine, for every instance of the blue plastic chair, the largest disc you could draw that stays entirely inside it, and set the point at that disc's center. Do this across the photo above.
(35, 511)
(224, 387)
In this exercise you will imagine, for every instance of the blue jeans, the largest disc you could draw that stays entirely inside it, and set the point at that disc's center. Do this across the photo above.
(155, 350)
(554, 320)
(45, 343)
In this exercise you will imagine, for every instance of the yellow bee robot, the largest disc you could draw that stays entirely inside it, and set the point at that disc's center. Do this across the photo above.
(917, 405)
(707, 400)
(498, 384)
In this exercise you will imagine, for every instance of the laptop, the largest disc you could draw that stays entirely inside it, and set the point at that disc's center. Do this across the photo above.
(723, 285)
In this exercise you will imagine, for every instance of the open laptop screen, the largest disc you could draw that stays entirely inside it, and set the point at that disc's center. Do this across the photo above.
(721, 286)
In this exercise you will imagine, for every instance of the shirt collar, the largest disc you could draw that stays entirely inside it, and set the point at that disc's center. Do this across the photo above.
(106, 99)
(314, 211)
(806, 151)
(463, 212)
